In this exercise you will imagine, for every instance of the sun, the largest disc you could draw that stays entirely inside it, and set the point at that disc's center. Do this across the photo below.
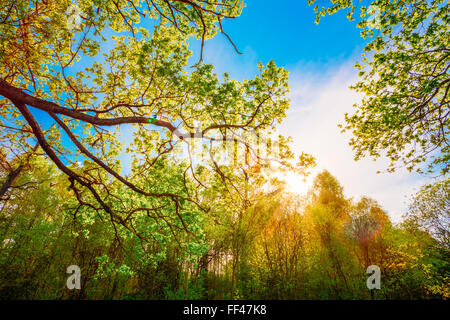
(295, 183)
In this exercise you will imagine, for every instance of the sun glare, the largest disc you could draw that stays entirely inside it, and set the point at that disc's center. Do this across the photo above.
(294, 183)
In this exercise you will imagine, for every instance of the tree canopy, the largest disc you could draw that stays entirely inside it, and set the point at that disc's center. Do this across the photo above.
(121, 63)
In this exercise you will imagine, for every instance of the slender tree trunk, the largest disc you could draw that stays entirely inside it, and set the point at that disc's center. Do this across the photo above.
(233, 271)
(186, 284)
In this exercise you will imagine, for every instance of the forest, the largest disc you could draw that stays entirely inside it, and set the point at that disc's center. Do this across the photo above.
(197, 208)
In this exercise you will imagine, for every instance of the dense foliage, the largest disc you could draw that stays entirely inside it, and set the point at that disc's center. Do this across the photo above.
(281, 247)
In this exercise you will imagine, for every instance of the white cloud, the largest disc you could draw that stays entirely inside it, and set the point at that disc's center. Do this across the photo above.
(318, 105)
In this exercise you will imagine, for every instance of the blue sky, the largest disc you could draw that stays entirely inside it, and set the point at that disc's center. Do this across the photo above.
(287, 33)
